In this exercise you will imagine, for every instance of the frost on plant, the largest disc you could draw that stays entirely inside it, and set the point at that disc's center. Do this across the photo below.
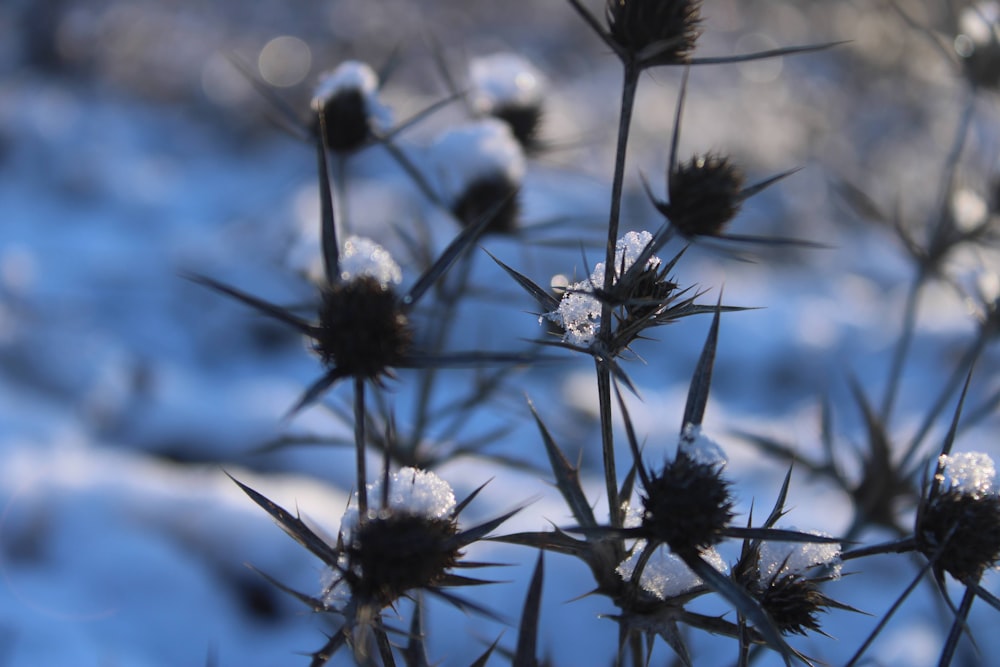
(967, 473)
(348, 98)
(508, 87)
(363, 257)
(781, 558)
(481, 166)
(579, 311)
(665, 575)
(406, 542)
(958, 524)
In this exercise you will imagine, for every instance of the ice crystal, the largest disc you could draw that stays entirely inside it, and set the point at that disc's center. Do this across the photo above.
(579, 311)
(665, 574)
(363, 257)
(968, 473)
(783, 558)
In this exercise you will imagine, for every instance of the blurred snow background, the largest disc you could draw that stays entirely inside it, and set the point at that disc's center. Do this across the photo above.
(132, 149)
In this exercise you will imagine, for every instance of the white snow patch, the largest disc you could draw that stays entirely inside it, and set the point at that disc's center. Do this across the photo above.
(359, 76)
(700, 447)
(780, 558)
(971, 473)
(579, 312)
(505, 80)
(665, 575)
(363, 257)
(483, 149)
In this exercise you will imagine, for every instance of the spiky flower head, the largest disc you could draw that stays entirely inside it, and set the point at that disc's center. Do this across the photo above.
(705, 193)
(688, 504)
(959, 523)
(789, 595)
(655, 32)
(407, 542)
(579, 311)
(482, 166)
(508, 87)
(348, 98)
(363, 330)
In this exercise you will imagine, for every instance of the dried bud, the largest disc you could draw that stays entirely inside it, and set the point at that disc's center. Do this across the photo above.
(793, 602)
(398, 551)
(508, 87)
(705, 194)
(656, 32)
(363, 331)
(347, 97)
(687, 505)
(960, 524)
(495, 197)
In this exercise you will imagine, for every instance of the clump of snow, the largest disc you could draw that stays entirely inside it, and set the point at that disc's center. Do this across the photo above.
(579, 312)
(482, 149)
(504, 80)
(665, 574)
(413, 491)
(363, 257)
(700, 448)
(969, 473)
(354, 75)
(780, 558)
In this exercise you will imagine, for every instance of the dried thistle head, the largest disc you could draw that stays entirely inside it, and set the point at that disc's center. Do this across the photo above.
(959, 522)
(705, 194)
(687, 505)
(508, 87)
(655, 32)
(482, 166)
(363, 330)
(347, 97)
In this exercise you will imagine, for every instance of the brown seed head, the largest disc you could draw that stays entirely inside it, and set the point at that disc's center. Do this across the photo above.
(363, 331)
(398, 551)
(705, 194)
(968, 527)
(687, 505)
(659, 32)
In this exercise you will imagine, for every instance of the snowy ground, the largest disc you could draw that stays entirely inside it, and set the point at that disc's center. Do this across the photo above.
(127, 392)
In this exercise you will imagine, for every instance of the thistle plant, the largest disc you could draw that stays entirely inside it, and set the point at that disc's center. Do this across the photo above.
(666, 540)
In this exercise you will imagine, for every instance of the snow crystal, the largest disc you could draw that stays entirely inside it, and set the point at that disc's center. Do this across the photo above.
(364, 257)
(504, 80)
(482, 149)
(354, 75)
(417, 492)
(778, 558)
(971, 473)
(665, 574)
(700, 447)
(579, 312)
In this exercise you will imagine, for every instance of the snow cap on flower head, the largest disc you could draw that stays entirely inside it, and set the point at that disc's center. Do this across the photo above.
(579, 311)
(348, 98)
(364, 257)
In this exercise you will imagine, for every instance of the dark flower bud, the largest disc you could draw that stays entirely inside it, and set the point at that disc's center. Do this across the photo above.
(363, 330)
(960, 524)
(793, 602)
(482, 166)
(705, 194)
(655, 32)
(508, 87)
(348, 99)
(687, 505)
(398, 551)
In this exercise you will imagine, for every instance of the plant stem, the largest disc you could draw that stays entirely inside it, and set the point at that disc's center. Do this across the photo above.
(359, 445)
(629, 86)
